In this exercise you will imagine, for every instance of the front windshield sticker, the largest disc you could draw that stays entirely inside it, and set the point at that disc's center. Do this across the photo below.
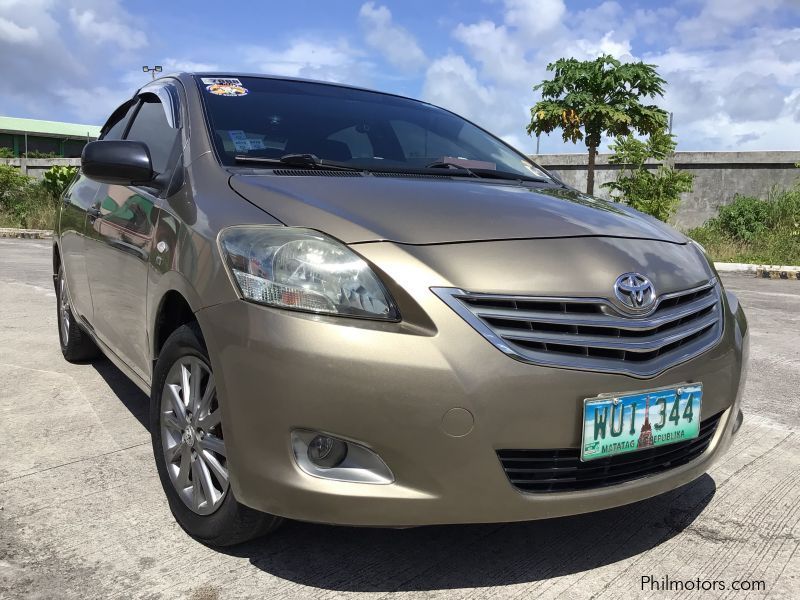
(224, 86)
(243, 143)
(221, 81)
(226, 90)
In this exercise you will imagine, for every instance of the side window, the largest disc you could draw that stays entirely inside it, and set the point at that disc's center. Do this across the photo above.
(115, 126)
(150, 126)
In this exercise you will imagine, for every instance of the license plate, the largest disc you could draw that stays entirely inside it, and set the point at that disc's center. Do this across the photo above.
(621, 423)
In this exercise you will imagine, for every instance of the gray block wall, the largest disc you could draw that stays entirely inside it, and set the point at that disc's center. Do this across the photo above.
(719, 177)
(35, 167)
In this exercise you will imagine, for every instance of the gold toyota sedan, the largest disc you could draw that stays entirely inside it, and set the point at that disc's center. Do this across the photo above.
(357, 308)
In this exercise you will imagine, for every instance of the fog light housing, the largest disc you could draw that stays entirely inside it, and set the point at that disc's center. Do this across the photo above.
(327, 452)
(328, 457)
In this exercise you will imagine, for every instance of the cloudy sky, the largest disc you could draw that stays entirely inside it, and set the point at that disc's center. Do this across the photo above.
(732, 66)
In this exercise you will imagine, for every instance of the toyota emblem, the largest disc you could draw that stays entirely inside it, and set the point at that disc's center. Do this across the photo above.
(635, 291)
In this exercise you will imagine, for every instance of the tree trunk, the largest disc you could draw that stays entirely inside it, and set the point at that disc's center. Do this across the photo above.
(590, 171)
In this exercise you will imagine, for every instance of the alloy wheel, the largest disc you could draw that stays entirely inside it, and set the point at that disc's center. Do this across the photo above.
(63, 309)
(191, 435)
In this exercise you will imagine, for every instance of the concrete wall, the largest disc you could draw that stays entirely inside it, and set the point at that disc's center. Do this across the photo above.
(719, 176)
(35, 167)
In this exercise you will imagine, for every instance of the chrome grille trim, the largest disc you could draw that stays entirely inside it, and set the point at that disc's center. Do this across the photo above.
(592, 333)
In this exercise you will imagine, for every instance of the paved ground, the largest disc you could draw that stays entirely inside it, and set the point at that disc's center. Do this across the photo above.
(83, 515)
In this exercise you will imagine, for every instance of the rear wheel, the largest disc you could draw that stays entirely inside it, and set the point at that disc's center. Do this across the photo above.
(189, 446)
(76, 345)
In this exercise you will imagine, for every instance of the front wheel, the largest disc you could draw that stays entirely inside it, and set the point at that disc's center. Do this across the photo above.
(189, 446)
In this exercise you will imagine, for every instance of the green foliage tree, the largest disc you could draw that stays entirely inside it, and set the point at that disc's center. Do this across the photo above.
(655, 192)
(57, 178)
(592, 98)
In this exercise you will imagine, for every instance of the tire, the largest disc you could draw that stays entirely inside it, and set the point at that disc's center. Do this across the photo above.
(188, 446)
(76, 345)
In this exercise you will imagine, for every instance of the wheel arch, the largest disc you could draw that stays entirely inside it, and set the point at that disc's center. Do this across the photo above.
(173, 311)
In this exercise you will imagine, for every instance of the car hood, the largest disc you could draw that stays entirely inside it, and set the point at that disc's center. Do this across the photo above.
(408, 210)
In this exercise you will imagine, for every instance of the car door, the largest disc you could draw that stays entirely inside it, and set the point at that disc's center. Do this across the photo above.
(78, 199)
(119, 239)
(76, 203)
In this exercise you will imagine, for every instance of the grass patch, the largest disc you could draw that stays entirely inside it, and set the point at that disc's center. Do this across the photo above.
(751, 230)
(32, 207)
(25, 202)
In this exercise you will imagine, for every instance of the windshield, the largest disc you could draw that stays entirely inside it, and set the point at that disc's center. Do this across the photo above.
(269, 118)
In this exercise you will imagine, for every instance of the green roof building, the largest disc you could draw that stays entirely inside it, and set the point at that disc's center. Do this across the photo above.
(39, 138)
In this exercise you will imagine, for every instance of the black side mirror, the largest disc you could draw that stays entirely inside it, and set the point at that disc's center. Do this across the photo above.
(117, 162)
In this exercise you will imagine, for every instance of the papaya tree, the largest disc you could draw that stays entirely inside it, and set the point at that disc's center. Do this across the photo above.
(592, 98)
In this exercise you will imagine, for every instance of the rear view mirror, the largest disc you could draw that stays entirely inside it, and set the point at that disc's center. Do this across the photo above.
(117, 162)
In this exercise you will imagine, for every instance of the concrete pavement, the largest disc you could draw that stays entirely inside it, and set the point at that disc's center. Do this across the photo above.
(83, 514)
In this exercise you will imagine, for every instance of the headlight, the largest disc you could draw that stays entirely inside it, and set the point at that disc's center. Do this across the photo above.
(302, 269)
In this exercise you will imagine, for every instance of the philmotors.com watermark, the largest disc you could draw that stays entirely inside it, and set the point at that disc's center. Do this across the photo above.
(668, 584)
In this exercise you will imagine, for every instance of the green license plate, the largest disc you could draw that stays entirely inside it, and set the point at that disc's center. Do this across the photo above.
(620, 423)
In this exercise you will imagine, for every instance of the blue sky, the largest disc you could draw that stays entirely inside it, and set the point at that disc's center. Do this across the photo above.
(732, 66)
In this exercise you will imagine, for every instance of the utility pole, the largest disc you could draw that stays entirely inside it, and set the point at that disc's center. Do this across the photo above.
(152, 70)
(537, 144)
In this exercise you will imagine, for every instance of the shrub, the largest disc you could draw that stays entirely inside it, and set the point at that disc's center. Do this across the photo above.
(744, 219)
(57, 178)
(751, 230)
(6, 152)
(24, 202)
(38, 154)
(654, 192)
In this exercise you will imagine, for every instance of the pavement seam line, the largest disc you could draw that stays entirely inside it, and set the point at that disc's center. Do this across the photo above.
(72, 462)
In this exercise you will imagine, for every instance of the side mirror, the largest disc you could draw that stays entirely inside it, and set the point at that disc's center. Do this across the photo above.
(117, 162)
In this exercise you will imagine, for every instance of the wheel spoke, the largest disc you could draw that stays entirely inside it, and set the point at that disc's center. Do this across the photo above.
(210, 421)
(214, 444)
(186, 390)
(205, 480)
(173, 453)
(196, 494)
(194, 389)
(219, 471)
(205, 404)
(178, 408)
(186, 463)
(171, 422)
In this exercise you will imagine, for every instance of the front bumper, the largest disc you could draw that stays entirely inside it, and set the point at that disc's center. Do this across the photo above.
(391, 387)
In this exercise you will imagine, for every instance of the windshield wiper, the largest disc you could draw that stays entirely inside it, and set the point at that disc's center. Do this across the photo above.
(485, 173)
(305, 161)
(493, 174)
(443, 164)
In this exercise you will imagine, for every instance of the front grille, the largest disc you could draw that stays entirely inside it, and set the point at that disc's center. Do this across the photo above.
(561, 470)
(591, 333)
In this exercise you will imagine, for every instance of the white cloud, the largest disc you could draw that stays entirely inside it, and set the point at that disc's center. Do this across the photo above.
(327, 61)
(14, 34)
(501, 55)
(534, 17)
(395, 43)
(95, 104)
(453, 84)
(588, 49)
(719, 18)
(98, 30)
(178, 65)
